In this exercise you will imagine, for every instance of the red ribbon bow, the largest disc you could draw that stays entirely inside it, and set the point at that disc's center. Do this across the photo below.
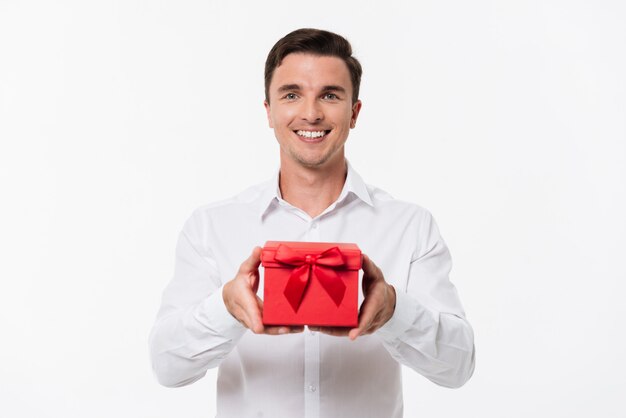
(321, 266)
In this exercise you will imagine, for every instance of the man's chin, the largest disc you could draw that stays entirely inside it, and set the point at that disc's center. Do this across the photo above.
(316, 162)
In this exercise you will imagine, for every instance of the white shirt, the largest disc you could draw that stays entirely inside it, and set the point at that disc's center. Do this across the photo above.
(311, 374)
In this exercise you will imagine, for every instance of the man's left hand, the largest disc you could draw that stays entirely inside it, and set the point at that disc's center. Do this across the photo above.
(378, 304)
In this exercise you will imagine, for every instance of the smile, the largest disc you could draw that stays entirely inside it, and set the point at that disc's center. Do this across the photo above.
(311, 134)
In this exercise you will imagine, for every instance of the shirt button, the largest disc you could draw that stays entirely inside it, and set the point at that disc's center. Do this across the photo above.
(311, 388)
(314, 225)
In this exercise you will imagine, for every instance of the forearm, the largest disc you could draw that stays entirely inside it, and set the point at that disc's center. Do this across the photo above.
(184, 344)
(438, 345)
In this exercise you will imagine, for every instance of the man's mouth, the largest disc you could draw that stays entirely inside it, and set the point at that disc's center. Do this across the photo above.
(312, 135)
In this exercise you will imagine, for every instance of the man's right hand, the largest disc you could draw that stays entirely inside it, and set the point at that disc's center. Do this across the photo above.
(242, 302)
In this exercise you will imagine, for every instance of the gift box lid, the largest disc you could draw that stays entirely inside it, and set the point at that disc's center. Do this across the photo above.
(350, 252)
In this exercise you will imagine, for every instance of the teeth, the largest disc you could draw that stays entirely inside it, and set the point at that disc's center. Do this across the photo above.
(311, 134)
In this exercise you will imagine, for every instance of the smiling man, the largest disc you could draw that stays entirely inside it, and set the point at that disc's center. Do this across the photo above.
(312, 109)
(410, 312)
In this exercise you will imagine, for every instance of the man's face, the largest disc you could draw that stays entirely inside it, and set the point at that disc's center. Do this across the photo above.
(311, 108)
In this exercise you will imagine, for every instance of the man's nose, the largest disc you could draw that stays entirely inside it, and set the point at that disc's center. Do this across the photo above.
(312, 111)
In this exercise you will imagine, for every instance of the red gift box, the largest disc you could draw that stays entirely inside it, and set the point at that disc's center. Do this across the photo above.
(311, 283)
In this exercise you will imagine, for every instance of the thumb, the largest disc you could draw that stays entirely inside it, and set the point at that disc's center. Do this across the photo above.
(251, 264)
(368, 266)
(371, 273)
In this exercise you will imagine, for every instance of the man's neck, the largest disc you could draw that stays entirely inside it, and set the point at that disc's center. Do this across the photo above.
(312, 189)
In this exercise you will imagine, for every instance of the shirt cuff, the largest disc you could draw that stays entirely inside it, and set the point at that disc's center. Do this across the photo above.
(212, 313)
(402, 319)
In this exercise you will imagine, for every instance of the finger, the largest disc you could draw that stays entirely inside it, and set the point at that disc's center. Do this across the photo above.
(353, 335)
(369, 309)
(281, 330)
(275, 330)
(251, 312)
(251, 264)
(253, 280)
(369, 268)
(249, 269)
(251, 322)
(334, 331)
(371, 272)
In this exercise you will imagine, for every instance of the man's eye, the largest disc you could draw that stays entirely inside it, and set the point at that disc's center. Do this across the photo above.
(330, 96)
(290, 96)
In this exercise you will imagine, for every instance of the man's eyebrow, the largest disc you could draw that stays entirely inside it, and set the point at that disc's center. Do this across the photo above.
(288, 87)
(295, 87)
(334, 88)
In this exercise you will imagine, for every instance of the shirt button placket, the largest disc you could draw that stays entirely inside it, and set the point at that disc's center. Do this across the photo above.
(311, 375)
(313, 232)
(312, 351)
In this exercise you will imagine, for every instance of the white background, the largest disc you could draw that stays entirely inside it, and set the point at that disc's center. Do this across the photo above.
(506, 119)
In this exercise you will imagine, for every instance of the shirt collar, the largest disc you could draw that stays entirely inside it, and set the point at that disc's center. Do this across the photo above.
(270, 194)
(354, 184)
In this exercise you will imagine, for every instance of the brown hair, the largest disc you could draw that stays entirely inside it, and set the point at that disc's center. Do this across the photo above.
(317, 42)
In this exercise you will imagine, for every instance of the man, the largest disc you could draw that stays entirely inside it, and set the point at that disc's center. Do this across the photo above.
(410, 312)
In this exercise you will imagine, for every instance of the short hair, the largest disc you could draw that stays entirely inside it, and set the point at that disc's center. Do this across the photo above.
(316, 42)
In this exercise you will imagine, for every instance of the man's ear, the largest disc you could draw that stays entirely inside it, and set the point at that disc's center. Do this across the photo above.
(267, 110)
(356, 108)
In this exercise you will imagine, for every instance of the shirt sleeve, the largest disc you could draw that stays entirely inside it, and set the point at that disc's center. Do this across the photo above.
(428, 331)
(193, 331)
